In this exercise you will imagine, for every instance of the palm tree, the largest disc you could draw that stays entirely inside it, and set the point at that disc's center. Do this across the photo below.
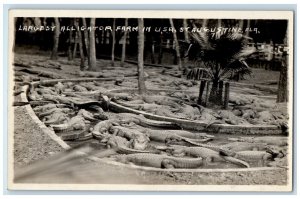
(220, 56)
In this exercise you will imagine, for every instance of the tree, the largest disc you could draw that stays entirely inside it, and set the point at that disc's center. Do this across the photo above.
(75, 41)
(70, 56)
(221, 56)
(80, 44)
(141, 81)
(86, 39)
(113, 43)
(55, 39)
(186, 33)
(282, 95)
(176, 45)
(124, 44)
(92, 48)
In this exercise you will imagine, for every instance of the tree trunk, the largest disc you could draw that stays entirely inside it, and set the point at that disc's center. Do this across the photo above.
(214, 93)
(241, 24)
(282, 95)
(80, 44)
(186, 34)
(176, 45)
(75, 43)
(160, 53)
(92, 48)
(248, 26)
(113, 43)
(152, 49)
(55, 39)
(86, 39)
(201, 91)
(141, 81)
(204, 23)
(124, 45)
(70, 56)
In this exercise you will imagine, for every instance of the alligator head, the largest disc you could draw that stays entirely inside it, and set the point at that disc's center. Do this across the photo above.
(140, 141)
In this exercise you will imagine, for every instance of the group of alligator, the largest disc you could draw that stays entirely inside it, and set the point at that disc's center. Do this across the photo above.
(80, 112)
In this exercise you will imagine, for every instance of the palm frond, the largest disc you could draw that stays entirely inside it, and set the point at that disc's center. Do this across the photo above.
(223, 54)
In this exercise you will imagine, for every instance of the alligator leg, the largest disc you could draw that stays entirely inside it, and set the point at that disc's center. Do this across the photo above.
(167, 164)
(106, 153)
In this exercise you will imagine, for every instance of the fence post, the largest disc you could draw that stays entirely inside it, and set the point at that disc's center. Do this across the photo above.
(220, 92)
(207, 93)
(226, 95)
(201, 90)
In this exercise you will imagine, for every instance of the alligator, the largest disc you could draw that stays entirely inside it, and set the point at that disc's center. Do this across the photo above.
(59, 87)
(122, 145)
(32, 95)
(189, 112)
(124, 132)
(56, 117)
(103, 127)
(141, 120)
(40, 103)
(188, 134)
(160, 161)
(271, 140)
(86, 115)
(163, 100)
(207, 154)
(47, 107)
(45, 90)
(153, 108)
(79, 88)
(171, 136)
(260, 157)
(245, 146)
(79, 102)
(131, 134)
(89, 86)
(100, 114)
(75, 123)
(141, 106)
(96, 108)
(219, 149)
(51, 111)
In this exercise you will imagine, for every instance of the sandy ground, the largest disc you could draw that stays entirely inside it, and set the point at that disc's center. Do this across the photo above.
(31, 144)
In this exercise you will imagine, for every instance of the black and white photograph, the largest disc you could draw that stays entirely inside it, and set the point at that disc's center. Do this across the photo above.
(150, 100)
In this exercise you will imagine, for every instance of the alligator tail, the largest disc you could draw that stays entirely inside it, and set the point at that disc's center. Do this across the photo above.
(237, 161)
(161, 124)
(183, 163)
(20, 103)
(52, 121)
(195, 142)
(62, 127)
(126, 150)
